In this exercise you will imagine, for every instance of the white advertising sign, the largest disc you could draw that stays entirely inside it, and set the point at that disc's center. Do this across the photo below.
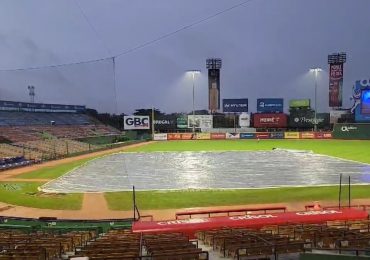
(244, 120)
(232, 136)
(200, 121)
(160, 137)
(136, 122)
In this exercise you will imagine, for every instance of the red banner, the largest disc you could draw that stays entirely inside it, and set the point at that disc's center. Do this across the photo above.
(218, 136)
(335, 85)
(278, 120)
(187, 136)
(190, 226)
(323, 135)
(173, 136)
(263, 135)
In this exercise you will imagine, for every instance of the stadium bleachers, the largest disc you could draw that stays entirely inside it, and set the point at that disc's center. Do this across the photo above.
(10, 118)
(7, 150)
(48, 135)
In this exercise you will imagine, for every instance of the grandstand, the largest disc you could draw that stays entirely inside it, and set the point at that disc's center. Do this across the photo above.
(113, 239)
(47, 131)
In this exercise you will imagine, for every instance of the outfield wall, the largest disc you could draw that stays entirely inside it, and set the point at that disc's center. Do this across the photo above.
(352, 131)
(249, 135)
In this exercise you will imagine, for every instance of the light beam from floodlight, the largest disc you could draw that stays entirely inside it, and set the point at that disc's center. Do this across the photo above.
(316, 71)
(193, 72)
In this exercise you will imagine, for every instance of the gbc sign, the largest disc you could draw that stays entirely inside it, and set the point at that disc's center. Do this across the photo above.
(136, 122)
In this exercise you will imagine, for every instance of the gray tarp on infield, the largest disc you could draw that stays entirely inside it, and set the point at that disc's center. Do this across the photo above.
(203, 170)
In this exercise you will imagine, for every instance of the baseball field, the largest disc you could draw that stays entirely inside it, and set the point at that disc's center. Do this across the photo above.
(22, 189)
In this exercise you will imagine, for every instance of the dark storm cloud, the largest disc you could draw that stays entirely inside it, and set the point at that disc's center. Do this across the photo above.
(267, 47)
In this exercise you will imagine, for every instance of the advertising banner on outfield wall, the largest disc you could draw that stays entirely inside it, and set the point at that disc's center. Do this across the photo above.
(307, 135)
(277, 135)
(218, 136)
(291, 135)
(235, 105)
(160, 137)
(270, 105)
(136, 122)
(232, 136)
(187, 136)
(323, 135)
(351, 131)
(247, 135)
(278, 120)
(173, 136)
(200, 121)
(203, 136)
(299, 103)
(263, 135)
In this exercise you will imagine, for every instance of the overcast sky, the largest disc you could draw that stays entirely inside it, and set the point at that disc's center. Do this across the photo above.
(267, 48)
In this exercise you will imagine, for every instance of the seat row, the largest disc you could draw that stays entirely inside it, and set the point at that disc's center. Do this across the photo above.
(40, 245)
(287, 239)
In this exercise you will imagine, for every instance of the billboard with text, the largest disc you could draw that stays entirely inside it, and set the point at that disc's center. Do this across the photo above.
(270, 105)
(335, 84)
(200, 121)
(235, 105)
(136, 122)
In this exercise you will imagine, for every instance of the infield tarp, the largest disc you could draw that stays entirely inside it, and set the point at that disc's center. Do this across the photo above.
(207, 170)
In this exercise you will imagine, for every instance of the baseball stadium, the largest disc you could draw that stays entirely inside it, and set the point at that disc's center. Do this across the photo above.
(258, 176)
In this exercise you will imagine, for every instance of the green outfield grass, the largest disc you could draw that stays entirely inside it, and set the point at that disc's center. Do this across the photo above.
(52, 172)
(207, 198)
(352, 150)
(26, 194)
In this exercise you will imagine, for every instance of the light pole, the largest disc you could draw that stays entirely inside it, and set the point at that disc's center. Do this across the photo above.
(31, 90)
(193, 72)
(316, 71)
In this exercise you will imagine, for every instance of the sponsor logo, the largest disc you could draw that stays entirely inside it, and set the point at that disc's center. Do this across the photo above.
(183, 221)
(307, 120)
(247, 135)
(269, 120)
(348, 128)
(160, 137)
(218, 136)
(263, 104)
(173, 136)
(232, 136)
(365, 83)
(251, 217)
(313, 213)
(136, 122)
(162, 122)
(235, 105)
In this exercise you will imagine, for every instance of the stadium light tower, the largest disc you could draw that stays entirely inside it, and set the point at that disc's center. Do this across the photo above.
(193, 73)
(31, 90)
(316, 71)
